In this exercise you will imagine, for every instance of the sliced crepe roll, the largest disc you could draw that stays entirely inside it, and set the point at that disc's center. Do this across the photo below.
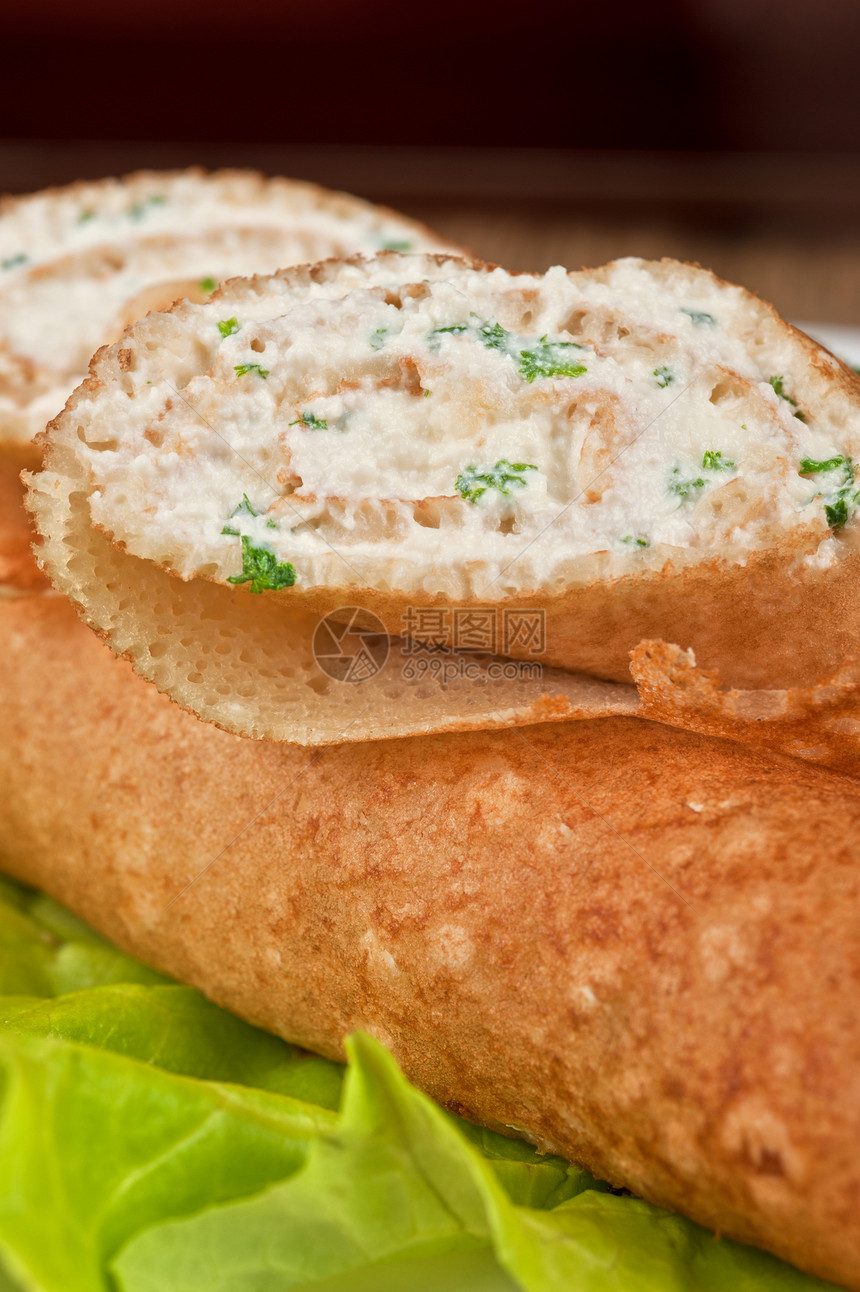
(638, 452)
(634, 946)
(820, 724)
(79, 263)
(332, 681)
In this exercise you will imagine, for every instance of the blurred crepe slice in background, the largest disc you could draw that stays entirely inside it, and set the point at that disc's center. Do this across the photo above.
(77, 264)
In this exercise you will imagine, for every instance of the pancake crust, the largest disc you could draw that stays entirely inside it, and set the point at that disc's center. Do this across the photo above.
(634, 946)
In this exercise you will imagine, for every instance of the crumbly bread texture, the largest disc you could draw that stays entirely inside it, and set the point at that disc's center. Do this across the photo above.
(79, 263)
(634, 946)
(640, 452)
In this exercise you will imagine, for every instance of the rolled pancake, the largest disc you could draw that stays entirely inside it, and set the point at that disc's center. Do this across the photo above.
(80, 262)
(820, 724)
(632, 453)
(634, 946)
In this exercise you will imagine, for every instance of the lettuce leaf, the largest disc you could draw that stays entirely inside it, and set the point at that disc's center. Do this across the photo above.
(178, 1030)
(46, 950)
(151, 1142)
(94, 1147)
(396, 1175)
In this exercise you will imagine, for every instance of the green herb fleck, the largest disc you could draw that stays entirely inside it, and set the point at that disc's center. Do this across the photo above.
(809, 466)
(635, 542)
(397, 244)
(434, 338)
(245, 508)
(86, 216)
(243, 368)
(684, 487)
(378, 338)
(12, 262)
(228, 327)
(493, 336)
(546, 359)
(714, 461)
(665, 376)
(843, 499)
(550, 359)
(837, 513)
(473, 483)
(262, 569)
(311, 421)
(139, 210)
(777, 383)
(426, 394)
(699, 316)
(208, 285)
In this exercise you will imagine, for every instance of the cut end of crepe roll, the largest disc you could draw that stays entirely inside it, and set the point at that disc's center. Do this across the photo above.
(640, 451)
(78, 264)
(268, 674)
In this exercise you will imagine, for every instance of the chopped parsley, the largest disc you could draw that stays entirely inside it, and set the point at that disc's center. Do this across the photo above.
(699, 316)
(243, 368)
(810, 467)
(714, 461)
(229, 327)
(262, 569)
(473, 483)
(397, 244)
(378, 338)
(139, 210)
(311, 421)
(777, 384)
(546, 359)
(245, 508)
(208, 285)
(494, 336)
(837, 512)
(665, 376)
(632, 541)
(550, 359)
(434, 339)
(426, 394)
(13, 262)
(841, 502)
(683, 488)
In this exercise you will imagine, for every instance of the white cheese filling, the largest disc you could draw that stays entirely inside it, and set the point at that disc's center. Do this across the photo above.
(508, 426)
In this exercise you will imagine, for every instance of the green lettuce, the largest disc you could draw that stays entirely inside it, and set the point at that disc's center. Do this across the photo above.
(151, 1142)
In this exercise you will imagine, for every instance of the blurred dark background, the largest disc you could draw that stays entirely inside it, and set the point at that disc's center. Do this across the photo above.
(721, 130)
(775, 75)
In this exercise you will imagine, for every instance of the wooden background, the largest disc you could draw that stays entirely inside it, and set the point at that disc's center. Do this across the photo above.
(786, 226)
